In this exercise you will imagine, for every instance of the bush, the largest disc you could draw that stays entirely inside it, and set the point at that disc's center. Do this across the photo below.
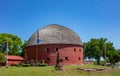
(41, 64)
(59, 67)
(26, 65)
(18, 65)
(56, 68)
(2, 58)
(95, 62)
(102, 63)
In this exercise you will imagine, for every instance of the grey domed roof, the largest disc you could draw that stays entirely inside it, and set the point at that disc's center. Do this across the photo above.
(55, 34)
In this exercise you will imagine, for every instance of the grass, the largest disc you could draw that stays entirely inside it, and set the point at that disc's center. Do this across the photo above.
(50, 71)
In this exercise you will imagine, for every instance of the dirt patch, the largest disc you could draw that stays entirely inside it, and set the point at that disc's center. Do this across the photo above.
(91, 69)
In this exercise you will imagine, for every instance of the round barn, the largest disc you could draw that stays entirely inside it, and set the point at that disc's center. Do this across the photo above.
(55, 44)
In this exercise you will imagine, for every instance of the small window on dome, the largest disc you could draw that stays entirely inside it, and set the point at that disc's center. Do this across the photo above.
(66, 58)
(56, 49)
(79, 58)
(46, 49)
(48, 58)
(74, 49)
(79, 50)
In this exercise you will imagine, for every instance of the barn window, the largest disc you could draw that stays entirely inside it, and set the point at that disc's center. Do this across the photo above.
(79, 58)
(74, 49)
(66, 58)
(48, 58)
(56, 49)
(47, 49)
(79, 50)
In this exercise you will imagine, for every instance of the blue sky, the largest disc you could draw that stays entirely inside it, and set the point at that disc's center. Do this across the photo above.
(88, 18)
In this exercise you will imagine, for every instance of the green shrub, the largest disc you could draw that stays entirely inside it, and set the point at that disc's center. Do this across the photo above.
(95, 62)
(26, 65)
(18, 65)
(102, 63)
(2, 58)
(56, 68)
(59, 67)
(41, 64)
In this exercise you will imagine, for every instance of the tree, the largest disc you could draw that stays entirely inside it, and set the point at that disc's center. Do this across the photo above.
(2, 58)
(23, 49)
(94, 48)
(114, 56)
(97, 48)
(14, 43)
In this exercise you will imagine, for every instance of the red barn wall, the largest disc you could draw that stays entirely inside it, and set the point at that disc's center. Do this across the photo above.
(69, 54)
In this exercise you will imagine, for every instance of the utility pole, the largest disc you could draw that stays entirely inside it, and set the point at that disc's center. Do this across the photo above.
(38, 41)
(57, 60)
(37, 55)
(105, 54)
(7, 49)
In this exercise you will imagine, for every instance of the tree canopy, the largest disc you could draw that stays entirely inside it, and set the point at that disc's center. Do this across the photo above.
(14, 43)
(23, 49)
(101, 47)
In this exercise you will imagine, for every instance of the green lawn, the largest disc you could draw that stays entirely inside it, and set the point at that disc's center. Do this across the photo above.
(50, 71)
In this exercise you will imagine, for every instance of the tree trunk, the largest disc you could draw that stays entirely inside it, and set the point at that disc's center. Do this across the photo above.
(98, 61)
